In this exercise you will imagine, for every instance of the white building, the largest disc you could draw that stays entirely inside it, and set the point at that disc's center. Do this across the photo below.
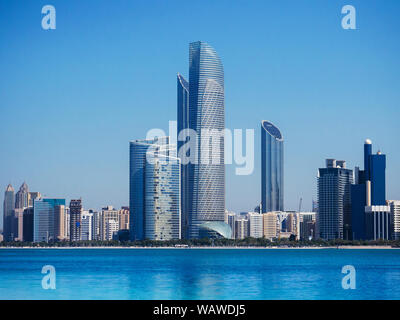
(67, 222)
(111, 228)
(241, 228)
(86, 225)
(255, 224)
(378, 221)
(96, 222)
(395, 213)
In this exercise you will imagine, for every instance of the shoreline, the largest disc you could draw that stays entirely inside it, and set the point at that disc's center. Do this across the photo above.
(214, 248)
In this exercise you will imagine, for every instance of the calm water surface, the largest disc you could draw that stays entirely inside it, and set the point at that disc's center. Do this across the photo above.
(199, 273)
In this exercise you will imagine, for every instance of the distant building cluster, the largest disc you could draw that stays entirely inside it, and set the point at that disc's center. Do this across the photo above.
(272, 225)
(29, 217)
(352, 204)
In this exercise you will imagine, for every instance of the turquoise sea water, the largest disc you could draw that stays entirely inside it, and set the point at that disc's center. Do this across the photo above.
(199, 273)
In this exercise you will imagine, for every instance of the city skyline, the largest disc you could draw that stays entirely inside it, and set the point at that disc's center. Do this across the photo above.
(99, 138)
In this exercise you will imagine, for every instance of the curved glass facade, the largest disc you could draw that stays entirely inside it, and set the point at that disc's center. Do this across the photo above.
(183, 123)
(215, 230)
(206, 180)
(271, 168)
(137, 161)
(162, 198)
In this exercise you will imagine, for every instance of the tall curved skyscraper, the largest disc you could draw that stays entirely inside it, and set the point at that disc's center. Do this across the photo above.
(271, 167)
(183, 123)
(137, 163)
(206, 177)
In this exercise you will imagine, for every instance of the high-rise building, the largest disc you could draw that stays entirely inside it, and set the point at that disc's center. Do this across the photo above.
(8, 214)
(255, 224)
(96, 225)
(307, 225)
(28, 224)
(60, 223)
(395, 215)
(44, 217)
(369, 190)
(124, 218)
(32, 196)
(270, 225)
(162, 195)
(86, 225)
(67, 223)
(183, 124)
(241, 228)
(230, 218)
(334, 183)
(137, 162)
(293, 223)
(205, 194)
(271, 168)
(111, 229)
(75, 216)
(22, 197)
(109, 216)
(18, 224)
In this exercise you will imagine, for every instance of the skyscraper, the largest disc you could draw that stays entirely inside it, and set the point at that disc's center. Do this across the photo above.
(60, 222)
(8, 214)
(75, 217)
(183, 124)
(395, 212)
(86, 225)
(109, 216)
(44, 219)
(28, 224)
(123, 218)
(162, 195)
(270, 225)
(255, 224)
(22, 197)
(271, 168)
(369, 190)
(333, 199)
(32, 197)
(96, 225)
(205, 194)
(137, 162)
(307, 225)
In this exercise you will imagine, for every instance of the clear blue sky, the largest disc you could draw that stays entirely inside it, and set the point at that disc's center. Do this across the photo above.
(72, 98)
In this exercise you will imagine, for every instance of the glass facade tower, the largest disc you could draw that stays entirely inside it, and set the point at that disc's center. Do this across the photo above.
(137, 162)
(162, 196)
(22, 197)
(369, 190)
(8, 214)
(44, 211)
(334, 199)
(206, 176)
(271, 168)
(183, 123)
